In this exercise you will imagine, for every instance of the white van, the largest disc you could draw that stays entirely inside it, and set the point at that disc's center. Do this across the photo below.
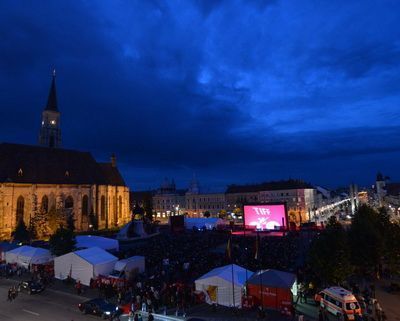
(339, 301)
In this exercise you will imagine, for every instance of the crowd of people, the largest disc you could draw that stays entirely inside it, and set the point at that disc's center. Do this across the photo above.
(175, 261)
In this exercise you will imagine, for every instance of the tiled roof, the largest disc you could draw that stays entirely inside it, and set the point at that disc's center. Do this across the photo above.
(268, 186)
(43, 165)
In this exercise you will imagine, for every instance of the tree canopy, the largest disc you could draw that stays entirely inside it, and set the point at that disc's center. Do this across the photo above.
(62, 241)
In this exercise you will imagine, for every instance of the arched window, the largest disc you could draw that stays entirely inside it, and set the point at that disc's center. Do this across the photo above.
(120, 207)
(103, 208)
(45, 204)
(85, 205)
(69, 202)
(20, 209)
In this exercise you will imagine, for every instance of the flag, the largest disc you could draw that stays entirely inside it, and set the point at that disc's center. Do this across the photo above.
(229, 249)
(257, 254)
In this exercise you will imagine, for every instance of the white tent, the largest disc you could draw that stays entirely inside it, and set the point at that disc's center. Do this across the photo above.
(131, 263)
(123, 268)
(26, 255)
(87, 241)
(218, 288)
(201, 222)
(84, 265)
(133, 229)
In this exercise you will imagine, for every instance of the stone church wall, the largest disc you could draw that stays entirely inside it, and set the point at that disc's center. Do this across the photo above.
(115, 201)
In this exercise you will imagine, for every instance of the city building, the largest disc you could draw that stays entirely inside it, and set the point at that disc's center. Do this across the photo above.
(301, 198)
(388, 194)
(168, 201)
(203, 204)
(39, 179)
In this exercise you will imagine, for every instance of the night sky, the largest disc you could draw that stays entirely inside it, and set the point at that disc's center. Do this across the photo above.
(233, 91)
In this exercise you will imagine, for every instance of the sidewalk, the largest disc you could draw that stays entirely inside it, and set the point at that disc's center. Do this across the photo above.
(389, 301)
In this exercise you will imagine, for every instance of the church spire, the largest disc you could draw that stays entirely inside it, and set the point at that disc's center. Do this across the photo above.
(52, 99)
(50, 131)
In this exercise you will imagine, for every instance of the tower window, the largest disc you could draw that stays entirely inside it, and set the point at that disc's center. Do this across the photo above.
(20, 172)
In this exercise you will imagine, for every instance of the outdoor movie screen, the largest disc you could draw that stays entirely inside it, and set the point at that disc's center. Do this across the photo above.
(265, 216)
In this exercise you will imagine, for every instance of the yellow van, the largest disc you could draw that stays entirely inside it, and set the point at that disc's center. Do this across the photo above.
(339, 301)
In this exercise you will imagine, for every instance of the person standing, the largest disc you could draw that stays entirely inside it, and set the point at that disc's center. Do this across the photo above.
(9, 296)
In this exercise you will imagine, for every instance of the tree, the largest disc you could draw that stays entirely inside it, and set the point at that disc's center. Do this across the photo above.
(392, 247)
(40, 225)
(148, 207)
(71, 222)
(222, 214)
(21, 232)
(62, 241)
(207, 214)
(329, 255)
(366, 239)
(55, 219)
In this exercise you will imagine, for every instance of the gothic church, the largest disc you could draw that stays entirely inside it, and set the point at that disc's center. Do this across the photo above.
(37, 178)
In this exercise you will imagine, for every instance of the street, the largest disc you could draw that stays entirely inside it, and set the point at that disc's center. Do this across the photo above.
(46, 306)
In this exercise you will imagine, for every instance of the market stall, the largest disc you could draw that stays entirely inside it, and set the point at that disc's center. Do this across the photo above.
(272, 288)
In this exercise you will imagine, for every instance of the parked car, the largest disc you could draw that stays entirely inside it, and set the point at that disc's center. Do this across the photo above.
(99, 307)
(30, 287)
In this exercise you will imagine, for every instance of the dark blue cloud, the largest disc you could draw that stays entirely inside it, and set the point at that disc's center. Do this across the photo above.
(236, 91)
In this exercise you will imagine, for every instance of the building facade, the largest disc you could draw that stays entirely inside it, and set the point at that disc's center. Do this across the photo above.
(301, 198)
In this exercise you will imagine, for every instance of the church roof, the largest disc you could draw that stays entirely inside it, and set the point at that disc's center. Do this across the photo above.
(43, 165)
(111, 174)
(52, 99)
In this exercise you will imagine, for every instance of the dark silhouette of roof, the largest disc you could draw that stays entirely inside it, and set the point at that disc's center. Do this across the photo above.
(52, 99)
(269, 186)
(393, 189)
(273, 278)
(44, 165)
(111, 174)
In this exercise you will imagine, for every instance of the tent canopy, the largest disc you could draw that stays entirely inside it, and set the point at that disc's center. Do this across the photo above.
(95, 255)
(87, 241)
(26, 255)
(218, 287)
(130, 263)
(225, 273)
(201, 222)
(84, 265)
(273, 278)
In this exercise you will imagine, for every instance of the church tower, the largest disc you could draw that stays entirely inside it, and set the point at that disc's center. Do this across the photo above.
(50, 131)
